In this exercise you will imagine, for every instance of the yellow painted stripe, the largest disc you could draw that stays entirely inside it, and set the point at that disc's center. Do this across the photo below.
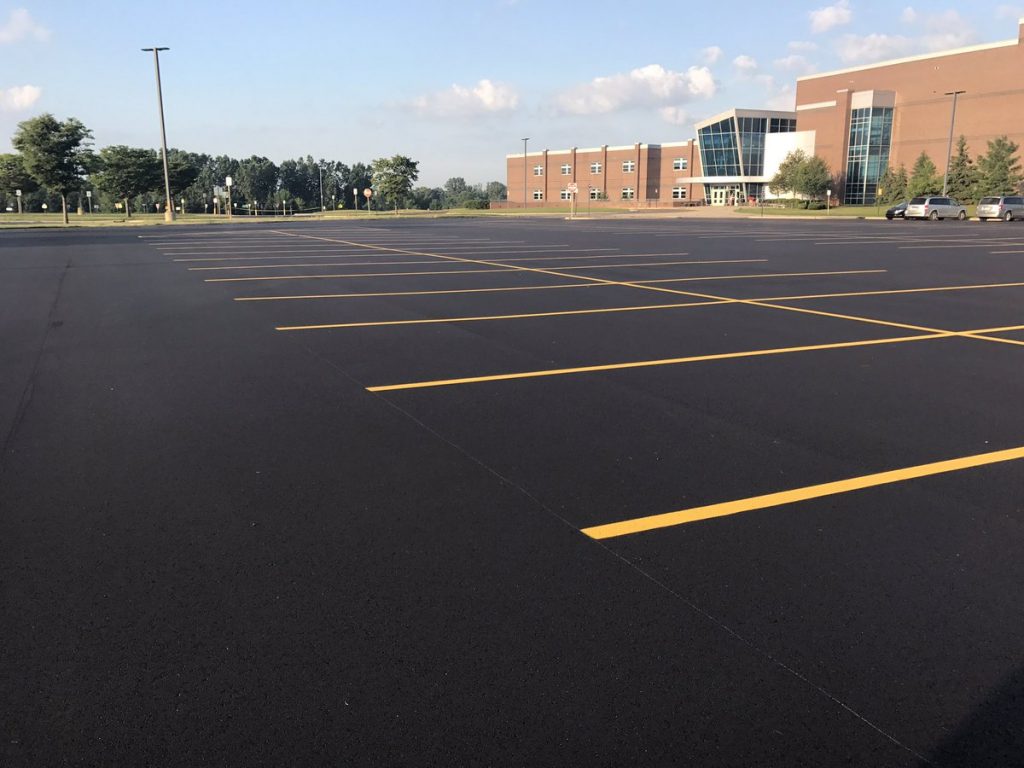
(356, 274)
(749, 277)
(806, 296)
(651, 363)
(435, 261)
(422, 293)
(683, 516)
(497, 317)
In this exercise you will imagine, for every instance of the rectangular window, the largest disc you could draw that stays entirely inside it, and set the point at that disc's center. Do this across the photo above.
(628, 166)
(678, 193)
(595, 167)
(595, 193)
(679, 164)
(628, 193)
(567, 170)
(564, 194)
(538, 194)
(538, 170)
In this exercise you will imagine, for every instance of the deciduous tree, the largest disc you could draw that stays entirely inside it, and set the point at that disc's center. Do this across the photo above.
(55, 153)
(393, 177)
(125, 172)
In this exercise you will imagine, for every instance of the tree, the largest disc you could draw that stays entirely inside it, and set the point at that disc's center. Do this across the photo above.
(924, 179)
(496, 191)
(962, 176)
(357, 178)
(892, 186)
(786, 178)
(127, 171)
(182, 170)
(813, 177)
(428, 198)
(257, 180)
(393, 177)
(55, 153)
(999, 169)
(455, 187)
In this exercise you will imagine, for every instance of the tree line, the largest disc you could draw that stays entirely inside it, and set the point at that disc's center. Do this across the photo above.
(996, 172)
(55, 167)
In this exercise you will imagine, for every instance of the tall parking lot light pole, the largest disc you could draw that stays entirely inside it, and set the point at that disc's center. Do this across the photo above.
(949, 148)
(169, 207)
(525, 203)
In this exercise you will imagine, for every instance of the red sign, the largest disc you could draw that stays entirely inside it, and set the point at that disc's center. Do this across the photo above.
(368, 192)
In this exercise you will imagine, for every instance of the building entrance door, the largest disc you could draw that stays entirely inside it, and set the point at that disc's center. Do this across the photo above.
(718, 195)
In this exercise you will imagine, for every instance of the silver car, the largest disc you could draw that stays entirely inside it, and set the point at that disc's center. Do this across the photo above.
(935, 208)
(1005, 208)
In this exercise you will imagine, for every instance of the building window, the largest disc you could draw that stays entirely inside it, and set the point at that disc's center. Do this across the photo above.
(628, 193)
(564, 194)
(719, 148)
(595, 193)
(538, 170)
(868, 156)
(678, 193)
(679, 164)
(595, 167)
(628, 166)
(567, 170)
(538, 194)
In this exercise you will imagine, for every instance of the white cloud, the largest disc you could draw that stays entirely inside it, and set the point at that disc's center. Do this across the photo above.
(18, 98)
(858, 49)
(711, 54)
(803, 46)
(745, 65)
(941, 32)
(795, 63)
(824, 19)
(20, 26)
(674, 115)
(909, 15)
(1010, 12)
(783, 99)
(648, 86)
(486, 97)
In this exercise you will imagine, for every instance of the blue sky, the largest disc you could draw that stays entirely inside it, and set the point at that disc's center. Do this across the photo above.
(454, 85)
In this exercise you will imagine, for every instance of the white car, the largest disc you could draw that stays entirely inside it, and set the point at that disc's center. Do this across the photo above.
(1005, 208)
(935, 208)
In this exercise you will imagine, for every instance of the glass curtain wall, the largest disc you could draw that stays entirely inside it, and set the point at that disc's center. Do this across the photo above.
(735, 147)
(870, 136)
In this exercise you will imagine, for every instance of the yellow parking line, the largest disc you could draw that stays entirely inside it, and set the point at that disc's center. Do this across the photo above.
(356, 274)
(651, 363)
(420, 293)
(749, 277)
(891, 291)
(496, 317)
(683, 516)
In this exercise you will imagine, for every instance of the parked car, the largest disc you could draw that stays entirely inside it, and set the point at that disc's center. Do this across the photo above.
(897, 211)
(1005, 208)
(935, 208)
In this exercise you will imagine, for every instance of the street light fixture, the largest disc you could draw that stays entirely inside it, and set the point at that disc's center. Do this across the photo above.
(169, 208)
(525, 199)
(949, 148)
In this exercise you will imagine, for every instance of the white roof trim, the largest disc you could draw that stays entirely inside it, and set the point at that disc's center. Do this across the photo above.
(919, 57)
(816, 105)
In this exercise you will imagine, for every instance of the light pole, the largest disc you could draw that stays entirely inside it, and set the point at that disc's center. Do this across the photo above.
(321, 169)
(227, 183)
(525, 199)
(169, 208)
(88, 195)
(949, 148)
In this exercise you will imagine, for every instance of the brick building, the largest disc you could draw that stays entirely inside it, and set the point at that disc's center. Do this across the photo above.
(858, 120)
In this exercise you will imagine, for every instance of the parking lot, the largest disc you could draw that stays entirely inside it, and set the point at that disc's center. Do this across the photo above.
(514, 492)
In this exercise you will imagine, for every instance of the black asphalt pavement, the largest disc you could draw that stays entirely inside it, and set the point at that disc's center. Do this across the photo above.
(256, 510)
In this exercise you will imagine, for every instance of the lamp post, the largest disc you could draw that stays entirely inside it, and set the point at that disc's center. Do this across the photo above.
(169, 208)
(949, 147)
(88, 195)
(321, 169)
(525, 199)
(228, 181)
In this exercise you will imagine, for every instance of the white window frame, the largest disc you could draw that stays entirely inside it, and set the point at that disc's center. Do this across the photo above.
(680, 164)
(628, 193)
(595, 168)
(564, 195)
(538, 194)
(595, 193)
(567, 170)
(538, 170)
(628, 166)
(679, 193)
